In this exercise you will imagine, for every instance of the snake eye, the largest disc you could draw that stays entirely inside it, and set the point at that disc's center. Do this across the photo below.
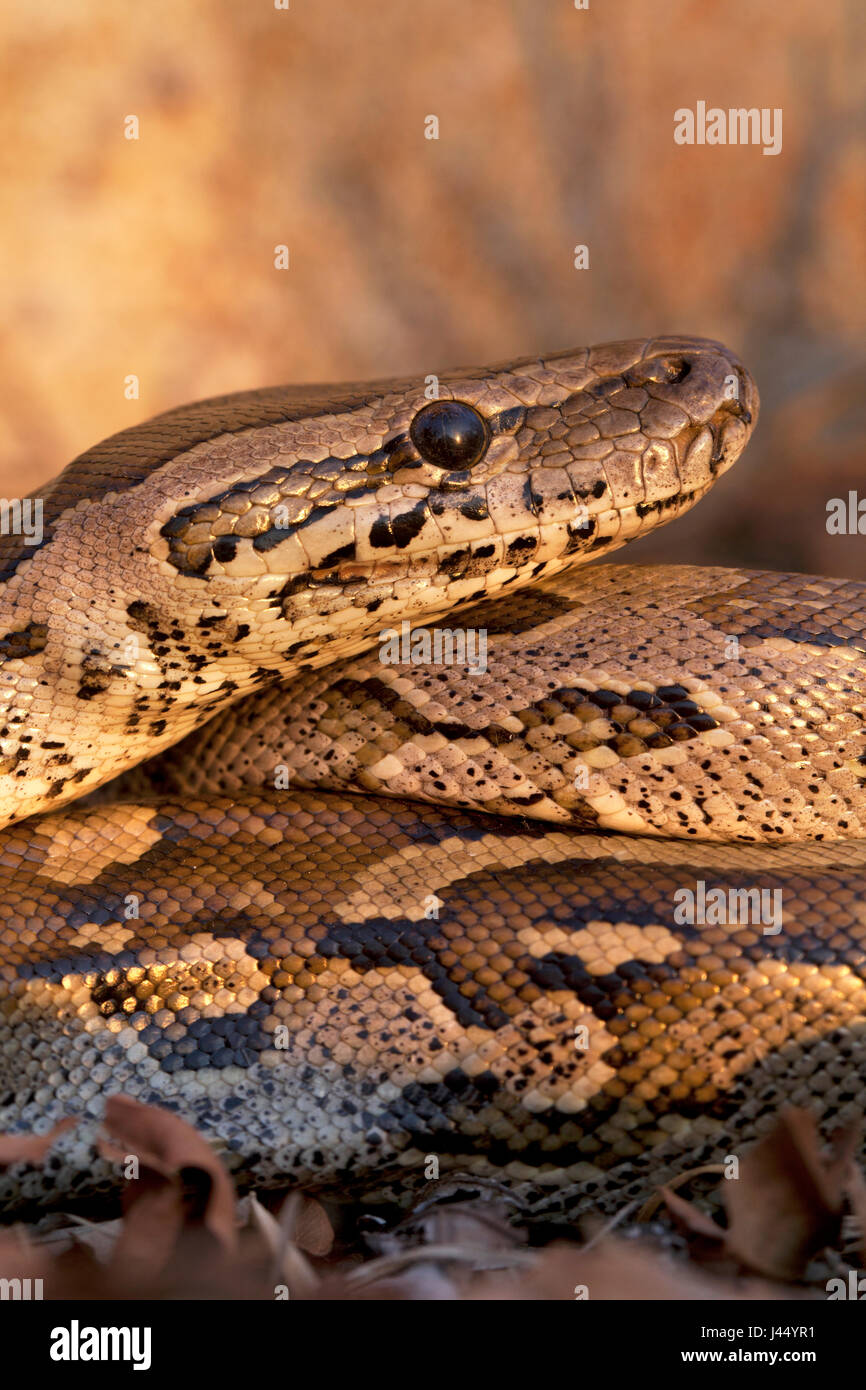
(450, 434)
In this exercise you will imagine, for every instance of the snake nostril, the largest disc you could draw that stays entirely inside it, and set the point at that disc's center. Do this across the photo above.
(659, 371)
(678, 371)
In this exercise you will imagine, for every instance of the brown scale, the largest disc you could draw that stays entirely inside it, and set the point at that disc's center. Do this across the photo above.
(830, 612)
(212, 530)
(637, 721)
(518, 955)
(331, 729)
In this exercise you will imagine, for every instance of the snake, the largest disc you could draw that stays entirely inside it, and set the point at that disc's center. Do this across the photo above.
(347, 815)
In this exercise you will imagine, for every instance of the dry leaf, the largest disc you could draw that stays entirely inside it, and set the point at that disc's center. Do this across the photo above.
(307, 1225)
(690, 1218)
(181, 1187)
(785, 1205)
(787, 1202)
(283, 1240)
(31, 1148)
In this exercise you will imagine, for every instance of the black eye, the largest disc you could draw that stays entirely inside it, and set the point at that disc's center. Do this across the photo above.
(449, 433)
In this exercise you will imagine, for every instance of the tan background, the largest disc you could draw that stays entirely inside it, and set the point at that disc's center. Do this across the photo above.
(260, 126)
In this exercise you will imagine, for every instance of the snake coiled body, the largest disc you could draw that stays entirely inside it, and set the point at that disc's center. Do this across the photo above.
(587, 904)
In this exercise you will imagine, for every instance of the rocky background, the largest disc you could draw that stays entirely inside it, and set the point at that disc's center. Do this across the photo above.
(306, 126)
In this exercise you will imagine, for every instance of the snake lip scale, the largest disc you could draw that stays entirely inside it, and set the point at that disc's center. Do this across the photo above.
(345, 915)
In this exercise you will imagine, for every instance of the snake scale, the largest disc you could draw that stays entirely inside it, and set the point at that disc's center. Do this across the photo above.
(363, 909)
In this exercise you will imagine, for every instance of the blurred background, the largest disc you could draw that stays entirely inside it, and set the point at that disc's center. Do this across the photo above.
(306, 127)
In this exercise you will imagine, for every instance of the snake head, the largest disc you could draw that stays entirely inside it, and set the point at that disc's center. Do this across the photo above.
(227, 544)
(473, 479)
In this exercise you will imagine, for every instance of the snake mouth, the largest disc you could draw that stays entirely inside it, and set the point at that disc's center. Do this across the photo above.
(733, 423)
(747, 403)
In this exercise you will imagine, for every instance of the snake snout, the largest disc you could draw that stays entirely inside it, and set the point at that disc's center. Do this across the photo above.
(708, 383)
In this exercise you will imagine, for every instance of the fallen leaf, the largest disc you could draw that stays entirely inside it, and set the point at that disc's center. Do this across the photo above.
(787, 1202)
(785, 1205)
(31, 1148)
(181, 1188)
(690, 1218)
(307, 1225)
